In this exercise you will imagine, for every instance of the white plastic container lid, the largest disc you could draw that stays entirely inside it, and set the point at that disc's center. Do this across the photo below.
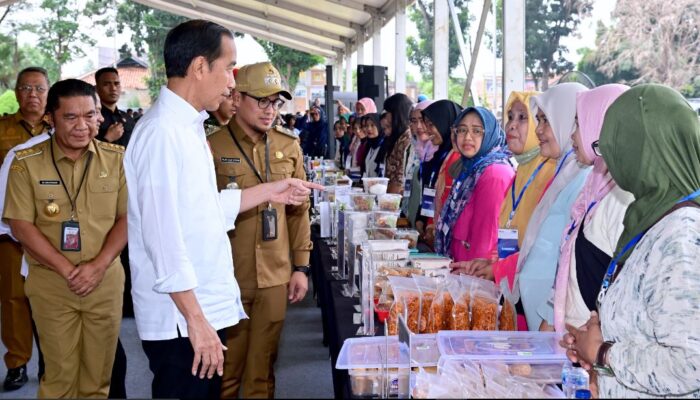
(501, 345)
(369, 352)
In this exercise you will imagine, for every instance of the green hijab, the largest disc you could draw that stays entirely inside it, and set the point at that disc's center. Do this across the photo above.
(650, 141)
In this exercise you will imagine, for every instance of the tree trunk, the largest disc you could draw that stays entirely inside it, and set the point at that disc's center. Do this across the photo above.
(545, 77)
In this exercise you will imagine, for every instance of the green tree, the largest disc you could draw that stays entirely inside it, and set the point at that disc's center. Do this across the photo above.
(546, 23)
(420, 49)
(149, 27)
(8, 103)
(61, 39)
(288, 61)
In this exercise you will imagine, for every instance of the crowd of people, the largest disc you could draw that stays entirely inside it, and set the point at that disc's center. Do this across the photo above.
(584, 207)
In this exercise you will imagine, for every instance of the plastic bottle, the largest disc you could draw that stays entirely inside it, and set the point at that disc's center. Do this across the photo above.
(577, 380)
(583, 394)
(565, 381)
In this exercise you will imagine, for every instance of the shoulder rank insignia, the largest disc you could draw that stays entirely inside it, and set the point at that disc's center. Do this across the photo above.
(17, 168)
(112, 147)
(26, 153)
(285, 131)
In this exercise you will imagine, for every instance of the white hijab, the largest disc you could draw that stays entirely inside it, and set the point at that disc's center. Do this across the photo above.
(558, 103)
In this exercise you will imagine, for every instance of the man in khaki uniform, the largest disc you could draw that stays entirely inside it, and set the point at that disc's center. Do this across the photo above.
(66, 204)
(16, 325)
(271, 243)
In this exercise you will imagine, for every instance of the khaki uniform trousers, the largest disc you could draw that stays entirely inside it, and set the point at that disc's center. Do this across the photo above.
(252, 344)
(15, 314)
(78, 335)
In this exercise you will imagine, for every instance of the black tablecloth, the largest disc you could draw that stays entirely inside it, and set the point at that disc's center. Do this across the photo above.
(336, 310)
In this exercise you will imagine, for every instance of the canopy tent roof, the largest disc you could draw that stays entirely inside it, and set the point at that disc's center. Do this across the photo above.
(328, 28)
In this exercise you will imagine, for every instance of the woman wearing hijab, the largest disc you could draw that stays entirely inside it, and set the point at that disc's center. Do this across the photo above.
(397, 149)
(365, 106)
(524, 192)
(469, 221)
(555, 111)
(433, 143)
(595, 225)
(316, 143)
(371, 168)
(357, 143)
(342, 143)
(645, 342)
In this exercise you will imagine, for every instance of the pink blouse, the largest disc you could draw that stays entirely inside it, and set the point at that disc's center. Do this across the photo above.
(476, 231)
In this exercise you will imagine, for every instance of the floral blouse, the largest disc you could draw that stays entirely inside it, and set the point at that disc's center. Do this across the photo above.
(397, 161)
(652, 313)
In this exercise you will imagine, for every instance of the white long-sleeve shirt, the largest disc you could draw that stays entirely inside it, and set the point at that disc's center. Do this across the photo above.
(178, 222)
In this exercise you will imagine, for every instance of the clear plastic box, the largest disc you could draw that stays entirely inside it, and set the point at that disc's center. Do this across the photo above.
(381, 185)
(504, 346)
(370, 352)
(389, 202)
(385, 219)
(362, 202)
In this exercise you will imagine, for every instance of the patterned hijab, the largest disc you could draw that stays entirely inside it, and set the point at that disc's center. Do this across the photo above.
(590, 110)
(651, 143)
(492, 151)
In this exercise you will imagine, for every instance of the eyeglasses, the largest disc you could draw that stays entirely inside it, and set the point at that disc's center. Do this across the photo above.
(28, 88)
(264, 102)
(596, 149)
(463, 131)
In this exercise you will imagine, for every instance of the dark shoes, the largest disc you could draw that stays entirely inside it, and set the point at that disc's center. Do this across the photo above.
(16, 378)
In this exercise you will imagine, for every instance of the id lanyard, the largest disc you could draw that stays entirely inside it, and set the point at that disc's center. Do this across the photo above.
(80, 186)
(612, 268)
(574, 223)
(250, 163)
(561, 164)
(516, 203)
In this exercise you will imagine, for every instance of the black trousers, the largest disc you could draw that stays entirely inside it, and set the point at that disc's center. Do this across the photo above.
(117, 387)
(171, 364)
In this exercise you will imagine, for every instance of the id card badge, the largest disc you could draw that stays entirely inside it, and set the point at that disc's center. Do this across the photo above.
(507, 242)
(407, 188)
(427, 204)
(70, 236)
(355, 174)
(269, 217)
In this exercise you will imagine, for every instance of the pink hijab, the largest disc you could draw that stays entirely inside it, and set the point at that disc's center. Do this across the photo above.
(368, 104)
(425, 150)
(591, 106)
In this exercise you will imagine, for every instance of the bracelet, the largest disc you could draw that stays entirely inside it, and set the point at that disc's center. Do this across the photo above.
(601, 361)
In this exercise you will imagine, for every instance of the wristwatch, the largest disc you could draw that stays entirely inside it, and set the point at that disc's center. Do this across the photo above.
(601, 365)
(302, 268)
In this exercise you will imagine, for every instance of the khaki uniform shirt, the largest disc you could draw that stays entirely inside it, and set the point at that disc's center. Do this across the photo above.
(14, 130)
(258, 263)
(33, 183)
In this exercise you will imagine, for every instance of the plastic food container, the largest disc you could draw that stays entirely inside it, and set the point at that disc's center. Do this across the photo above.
(389, 202)
(375, 186)
(518, 346)
(362, 202)
(372, 352)
(382, 234)
(385, 219)
(408, 234)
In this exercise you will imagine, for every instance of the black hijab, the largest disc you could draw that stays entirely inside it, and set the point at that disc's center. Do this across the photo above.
(442, 114)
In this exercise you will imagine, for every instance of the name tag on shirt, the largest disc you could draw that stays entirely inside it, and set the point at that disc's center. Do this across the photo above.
(230, 160)
(355, 173)
(47, 182)
(507, 242)
(427, 205)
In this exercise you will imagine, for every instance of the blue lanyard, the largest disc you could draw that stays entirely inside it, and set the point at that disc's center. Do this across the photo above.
(613, 264)
(561, 164)
(574, 223)
(516, 203)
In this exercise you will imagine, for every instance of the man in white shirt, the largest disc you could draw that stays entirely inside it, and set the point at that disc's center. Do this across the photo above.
(184, 290)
